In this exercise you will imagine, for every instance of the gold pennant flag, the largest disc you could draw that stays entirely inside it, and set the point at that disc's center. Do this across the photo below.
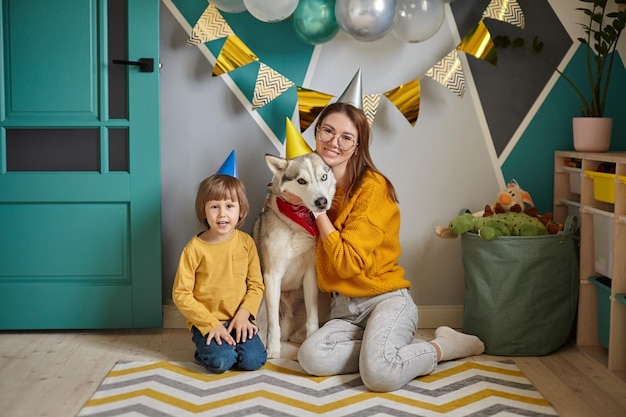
(370, 106)
(478, 43)
(209, 27)
(269, 85)
(508, 11)
(234, 54)
(449, 72)
(406, 98)
(310, 104)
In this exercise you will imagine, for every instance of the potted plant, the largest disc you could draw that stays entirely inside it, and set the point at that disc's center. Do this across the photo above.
(602, 31)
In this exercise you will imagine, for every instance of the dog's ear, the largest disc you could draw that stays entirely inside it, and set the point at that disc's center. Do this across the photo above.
(275, 163)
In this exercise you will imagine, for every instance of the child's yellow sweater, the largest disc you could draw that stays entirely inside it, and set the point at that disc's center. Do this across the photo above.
(214, 280)
(360, 259)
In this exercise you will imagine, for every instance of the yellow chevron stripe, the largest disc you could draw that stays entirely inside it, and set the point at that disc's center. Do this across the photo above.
(466, 366)
(303, 405)
(206, 377)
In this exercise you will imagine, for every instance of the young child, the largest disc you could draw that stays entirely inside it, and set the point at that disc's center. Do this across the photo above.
(218, 285)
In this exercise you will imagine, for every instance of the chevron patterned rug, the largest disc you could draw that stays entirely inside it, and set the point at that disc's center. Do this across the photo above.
(280, 388)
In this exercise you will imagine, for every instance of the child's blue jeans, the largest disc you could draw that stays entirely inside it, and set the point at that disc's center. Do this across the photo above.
(244, 356)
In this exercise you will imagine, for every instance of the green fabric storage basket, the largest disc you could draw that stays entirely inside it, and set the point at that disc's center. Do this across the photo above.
(521, 292)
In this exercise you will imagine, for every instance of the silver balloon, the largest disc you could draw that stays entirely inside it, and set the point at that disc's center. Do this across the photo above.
(229, 6)
(271, 10)
(366, 20)
(418, 20)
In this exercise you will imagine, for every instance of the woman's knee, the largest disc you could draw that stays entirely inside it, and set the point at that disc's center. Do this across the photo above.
(381, 383)
(307, 357)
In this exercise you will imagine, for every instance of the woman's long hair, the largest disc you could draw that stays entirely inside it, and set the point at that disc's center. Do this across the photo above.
(361, 161)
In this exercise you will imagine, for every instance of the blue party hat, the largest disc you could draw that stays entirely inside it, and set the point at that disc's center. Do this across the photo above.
(229, 167)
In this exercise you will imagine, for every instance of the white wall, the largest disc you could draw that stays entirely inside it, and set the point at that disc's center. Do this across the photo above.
(440, 165)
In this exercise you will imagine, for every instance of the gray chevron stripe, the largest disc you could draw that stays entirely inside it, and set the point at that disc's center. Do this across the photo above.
(282, 390)
(261, 379)
(311, 392)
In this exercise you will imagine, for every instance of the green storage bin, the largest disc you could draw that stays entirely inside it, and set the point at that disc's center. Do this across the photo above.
(521, 292)
(603, 285)
(621, 298)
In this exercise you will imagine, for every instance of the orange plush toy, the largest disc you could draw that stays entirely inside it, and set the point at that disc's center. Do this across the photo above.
(517, 200)
(513, 198)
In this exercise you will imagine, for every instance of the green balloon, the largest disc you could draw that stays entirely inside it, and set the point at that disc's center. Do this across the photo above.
(314, 21)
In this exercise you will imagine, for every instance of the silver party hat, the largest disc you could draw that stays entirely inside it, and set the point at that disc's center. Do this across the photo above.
(354, 93)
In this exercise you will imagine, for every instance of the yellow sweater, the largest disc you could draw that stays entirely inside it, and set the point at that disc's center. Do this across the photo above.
(360, 259)
(214, 280)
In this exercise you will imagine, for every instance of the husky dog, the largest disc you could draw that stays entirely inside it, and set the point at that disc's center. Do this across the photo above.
(285, 236)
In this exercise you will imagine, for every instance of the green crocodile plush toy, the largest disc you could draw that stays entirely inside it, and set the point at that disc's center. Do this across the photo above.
(502, 224)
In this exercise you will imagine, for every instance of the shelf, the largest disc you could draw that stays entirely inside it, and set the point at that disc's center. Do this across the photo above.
(602, 214)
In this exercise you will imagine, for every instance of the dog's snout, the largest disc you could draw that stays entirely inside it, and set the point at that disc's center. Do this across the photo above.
(321, 203)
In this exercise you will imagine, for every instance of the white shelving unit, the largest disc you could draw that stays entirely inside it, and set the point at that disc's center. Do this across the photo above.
(577, 193)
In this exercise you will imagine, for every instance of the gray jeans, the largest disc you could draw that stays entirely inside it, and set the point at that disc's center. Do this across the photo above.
(373, 336)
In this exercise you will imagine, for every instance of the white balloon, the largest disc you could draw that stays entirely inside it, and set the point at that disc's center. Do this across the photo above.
(271, 10)
(229, 6)
(366, 20)
(418, 20)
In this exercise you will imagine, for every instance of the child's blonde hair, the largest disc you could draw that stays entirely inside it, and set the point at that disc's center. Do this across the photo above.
(222, 187)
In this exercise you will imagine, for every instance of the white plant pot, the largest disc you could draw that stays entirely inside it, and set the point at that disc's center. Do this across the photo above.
(592, 134)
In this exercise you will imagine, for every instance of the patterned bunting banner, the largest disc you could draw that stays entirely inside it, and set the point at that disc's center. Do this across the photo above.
(211, 26)
(269, 85)
(370, 106)
(478, 43)
(449, 73)
(507, 11)
(234, 54)
(310, 104)
(406, 97)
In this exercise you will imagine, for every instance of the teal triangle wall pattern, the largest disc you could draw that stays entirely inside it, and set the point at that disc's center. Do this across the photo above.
(279, 47)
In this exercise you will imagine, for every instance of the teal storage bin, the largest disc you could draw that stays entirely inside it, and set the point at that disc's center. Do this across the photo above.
(621, 298)
(603, 285)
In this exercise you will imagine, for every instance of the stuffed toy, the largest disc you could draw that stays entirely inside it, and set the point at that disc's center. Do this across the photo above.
(501, 224)
(512, 198)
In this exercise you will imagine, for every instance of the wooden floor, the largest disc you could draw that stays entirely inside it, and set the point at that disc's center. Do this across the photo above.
(54, 374)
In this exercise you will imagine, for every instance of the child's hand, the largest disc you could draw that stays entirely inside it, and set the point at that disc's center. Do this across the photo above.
(220, 334)
(244, 329)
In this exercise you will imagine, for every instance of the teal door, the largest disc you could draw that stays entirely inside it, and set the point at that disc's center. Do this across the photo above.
(80, 237)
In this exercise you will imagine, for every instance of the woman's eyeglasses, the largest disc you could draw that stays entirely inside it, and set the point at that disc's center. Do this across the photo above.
(344, 142)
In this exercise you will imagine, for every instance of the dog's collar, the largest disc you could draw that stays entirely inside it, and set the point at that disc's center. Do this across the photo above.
(298, 214)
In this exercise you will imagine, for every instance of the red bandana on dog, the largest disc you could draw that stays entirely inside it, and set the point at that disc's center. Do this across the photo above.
(299, 215)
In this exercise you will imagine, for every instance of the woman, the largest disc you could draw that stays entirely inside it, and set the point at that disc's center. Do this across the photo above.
(373, 317)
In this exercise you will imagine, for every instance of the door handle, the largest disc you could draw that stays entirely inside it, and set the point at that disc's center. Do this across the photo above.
(144, 64)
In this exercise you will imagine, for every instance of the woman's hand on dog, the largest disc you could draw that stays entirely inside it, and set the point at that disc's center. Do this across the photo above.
(291, 198)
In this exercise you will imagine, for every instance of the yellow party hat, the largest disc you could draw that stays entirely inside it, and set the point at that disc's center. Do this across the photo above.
(294, 142)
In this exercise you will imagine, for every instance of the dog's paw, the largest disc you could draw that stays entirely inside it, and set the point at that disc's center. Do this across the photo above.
(273, 350)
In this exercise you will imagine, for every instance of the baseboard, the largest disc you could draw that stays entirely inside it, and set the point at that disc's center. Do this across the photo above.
(430, 317)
